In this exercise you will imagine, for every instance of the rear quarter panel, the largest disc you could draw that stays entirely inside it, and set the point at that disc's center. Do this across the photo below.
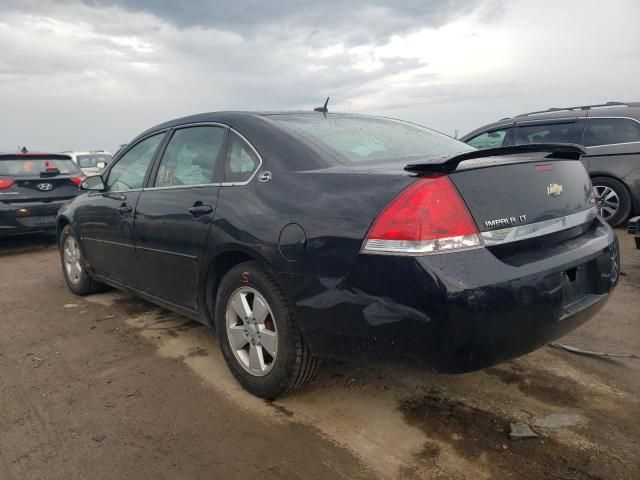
(334, 209)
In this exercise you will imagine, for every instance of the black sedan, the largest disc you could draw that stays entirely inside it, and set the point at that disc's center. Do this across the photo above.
(33, 187)
(302, 236)
(634, 229)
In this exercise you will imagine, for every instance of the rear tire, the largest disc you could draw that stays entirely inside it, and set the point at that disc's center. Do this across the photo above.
(252, 313)
(73, 262)
(613, 200)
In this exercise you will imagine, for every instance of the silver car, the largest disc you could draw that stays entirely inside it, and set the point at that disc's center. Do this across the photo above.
(92, 162)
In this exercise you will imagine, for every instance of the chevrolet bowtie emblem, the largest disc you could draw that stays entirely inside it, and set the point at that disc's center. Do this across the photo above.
(554, 189)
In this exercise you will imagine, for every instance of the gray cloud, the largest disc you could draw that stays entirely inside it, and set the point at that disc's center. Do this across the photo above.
(93, 73)
(356, 22)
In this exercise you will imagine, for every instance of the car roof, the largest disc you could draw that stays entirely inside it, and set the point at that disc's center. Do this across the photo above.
(609, 109)
(269, 137)
(233, 116)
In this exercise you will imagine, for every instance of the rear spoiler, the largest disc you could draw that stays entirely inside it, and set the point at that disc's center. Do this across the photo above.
(34, 156)
(569, 151)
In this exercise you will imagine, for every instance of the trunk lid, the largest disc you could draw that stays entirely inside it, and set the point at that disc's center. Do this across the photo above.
(42, 189)
(510, 194)
(37, 178)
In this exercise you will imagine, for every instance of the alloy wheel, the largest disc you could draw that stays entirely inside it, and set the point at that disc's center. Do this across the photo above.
(607, 201)
(252, 331)
(72, 260)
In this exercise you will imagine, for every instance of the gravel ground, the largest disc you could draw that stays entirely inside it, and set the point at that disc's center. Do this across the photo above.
(109, 386)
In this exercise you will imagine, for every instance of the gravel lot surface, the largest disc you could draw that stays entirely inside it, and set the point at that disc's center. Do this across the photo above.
(110, 387)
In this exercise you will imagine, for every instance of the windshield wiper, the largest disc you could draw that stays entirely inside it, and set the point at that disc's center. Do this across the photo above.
(50, 172)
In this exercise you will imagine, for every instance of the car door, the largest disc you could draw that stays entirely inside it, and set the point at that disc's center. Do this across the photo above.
(106, 219)
(174, 213)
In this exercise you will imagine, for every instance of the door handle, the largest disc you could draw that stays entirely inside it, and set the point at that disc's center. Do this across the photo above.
(124, 209)
(200, 209)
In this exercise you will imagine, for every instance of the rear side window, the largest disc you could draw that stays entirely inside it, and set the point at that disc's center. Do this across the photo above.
(130, 170)
(609, 131)
(493, 139)
(549, 133)
(241, 160)
(191, 157)
(30, 166)
(362, 139)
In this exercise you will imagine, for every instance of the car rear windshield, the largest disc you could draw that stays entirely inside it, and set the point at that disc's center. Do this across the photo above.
(92, 160)
(360, 139)
(30, 166)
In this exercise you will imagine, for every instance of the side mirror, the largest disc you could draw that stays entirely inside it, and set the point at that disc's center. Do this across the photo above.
(101, 165)
(94, 183)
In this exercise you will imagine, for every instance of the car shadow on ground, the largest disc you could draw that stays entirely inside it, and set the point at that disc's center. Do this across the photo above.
(26, 243)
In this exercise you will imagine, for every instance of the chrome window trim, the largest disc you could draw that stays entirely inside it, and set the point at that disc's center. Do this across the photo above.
(532, 230)
(233, 184)
(175, 187)
(95, 192)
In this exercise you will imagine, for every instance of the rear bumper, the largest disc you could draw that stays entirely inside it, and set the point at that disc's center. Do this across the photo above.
(29, 217)
(461, 311)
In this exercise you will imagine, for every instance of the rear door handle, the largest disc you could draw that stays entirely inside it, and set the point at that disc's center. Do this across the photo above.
(124, 209)
(198, 210)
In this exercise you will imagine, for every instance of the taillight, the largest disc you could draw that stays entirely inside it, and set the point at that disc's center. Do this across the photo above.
(5, 183)
(427, 217)
(77, 180)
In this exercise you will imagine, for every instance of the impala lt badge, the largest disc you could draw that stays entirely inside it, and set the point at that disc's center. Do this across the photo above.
(554, 189)
(505, 222)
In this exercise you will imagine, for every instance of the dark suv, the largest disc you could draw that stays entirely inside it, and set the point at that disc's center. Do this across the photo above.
(611, 134)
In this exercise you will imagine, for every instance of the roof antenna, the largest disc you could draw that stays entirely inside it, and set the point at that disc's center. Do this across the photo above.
(24, 150)
(323, 109)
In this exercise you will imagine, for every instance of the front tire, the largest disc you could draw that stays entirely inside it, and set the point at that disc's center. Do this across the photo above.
(74, 266)
(612, 199)
(258, 336)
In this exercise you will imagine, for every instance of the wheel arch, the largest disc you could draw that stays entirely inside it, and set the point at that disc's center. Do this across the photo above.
(61, 222)
(596, 174)
(216, 267)
(635, 202)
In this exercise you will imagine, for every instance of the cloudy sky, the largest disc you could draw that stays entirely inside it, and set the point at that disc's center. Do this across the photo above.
(94, 73)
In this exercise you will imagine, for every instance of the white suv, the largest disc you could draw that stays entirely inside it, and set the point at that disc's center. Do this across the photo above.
(92, 162)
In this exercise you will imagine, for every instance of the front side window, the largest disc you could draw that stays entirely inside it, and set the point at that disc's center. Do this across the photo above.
(241, 160)
(361, 139)
(609, 131)
(191, 157)
(549, 133)
(130, 170)
(492, 139)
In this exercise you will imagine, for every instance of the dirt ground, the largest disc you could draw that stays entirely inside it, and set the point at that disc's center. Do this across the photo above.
(110, 387)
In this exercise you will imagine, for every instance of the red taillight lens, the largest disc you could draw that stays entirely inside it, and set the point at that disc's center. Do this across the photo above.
(429, 216)
(77, 180)
(5, 183)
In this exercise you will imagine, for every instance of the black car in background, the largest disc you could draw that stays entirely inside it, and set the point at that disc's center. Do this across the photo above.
(33, 187)
(302, 236)
(634, 229)
(611, 134)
